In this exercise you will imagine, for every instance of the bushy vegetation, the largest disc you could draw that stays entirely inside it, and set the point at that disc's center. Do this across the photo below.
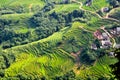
(96, 5)
(37, 26)
(51, 40)
(116, 67)
(100, 70)
(115, 13)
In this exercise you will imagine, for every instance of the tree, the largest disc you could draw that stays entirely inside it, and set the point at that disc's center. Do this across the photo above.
(116, 66)
(113, 3)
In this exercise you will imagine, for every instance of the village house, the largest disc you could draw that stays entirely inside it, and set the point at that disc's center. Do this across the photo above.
(115, 31)
(105, 41)
(111, 54)
(94, 47)
(98, 35)
(105, 9)
(105, 36)
(88, 2)
(118, 30)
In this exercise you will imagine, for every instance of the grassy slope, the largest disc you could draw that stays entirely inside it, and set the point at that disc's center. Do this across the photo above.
(54, 57)
(55, 60)
(100, 69)
(22, 26)
(66, 8)
(5, 2)
(96, 5)
(25, 3)
(115, 13)
(47, 65)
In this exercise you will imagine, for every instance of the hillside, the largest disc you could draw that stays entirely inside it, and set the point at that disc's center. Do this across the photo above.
(56, 39)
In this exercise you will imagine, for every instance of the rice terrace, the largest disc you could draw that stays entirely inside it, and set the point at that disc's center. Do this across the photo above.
(59, 39)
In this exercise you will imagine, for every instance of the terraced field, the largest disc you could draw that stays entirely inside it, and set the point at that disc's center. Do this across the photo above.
(100, 69)
(23, 27)
(66, 8)
(51, 56)
(53, 60)
(96, 5)
(26, 5)
(47, 65)
(40, 59)
(5, 2)
(115, 13)
(56, 60)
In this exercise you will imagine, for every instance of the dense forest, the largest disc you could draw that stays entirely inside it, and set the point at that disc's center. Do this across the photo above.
(43, 24)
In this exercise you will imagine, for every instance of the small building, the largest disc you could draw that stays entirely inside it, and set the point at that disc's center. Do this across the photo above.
(105, 36)
(88, 2)
(94, 47)
(106, 43)
(111, 54)
(118, 30)
(117, 46)
(105, 9)
(113, 32)
(98, 35)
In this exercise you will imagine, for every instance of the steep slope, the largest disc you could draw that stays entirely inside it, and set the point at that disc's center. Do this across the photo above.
(38, 59)
(31, 54)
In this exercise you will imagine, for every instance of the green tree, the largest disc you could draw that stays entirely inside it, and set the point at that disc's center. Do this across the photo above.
(116, 66)
(113, 3)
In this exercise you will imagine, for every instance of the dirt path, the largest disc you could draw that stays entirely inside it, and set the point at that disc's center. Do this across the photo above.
(106, 17)
(80, 7)
(76, 56)
(30, 7)
(77, 59)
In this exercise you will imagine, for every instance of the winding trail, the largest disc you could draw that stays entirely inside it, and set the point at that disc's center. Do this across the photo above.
(106, 17)
(80, 7)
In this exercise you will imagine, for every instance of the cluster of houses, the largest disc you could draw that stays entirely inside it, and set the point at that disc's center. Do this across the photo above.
(104, 39)
(115, 31)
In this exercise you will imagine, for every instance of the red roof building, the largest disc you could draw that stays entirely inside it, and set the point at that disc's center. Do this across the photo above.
(98, 34)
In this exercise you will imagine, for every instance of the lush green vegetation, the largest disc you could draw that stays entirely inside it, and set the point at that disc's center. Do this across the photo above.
(116, 67)
(51, 39)
(115, 13)
(96, 5)
(99, 70)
